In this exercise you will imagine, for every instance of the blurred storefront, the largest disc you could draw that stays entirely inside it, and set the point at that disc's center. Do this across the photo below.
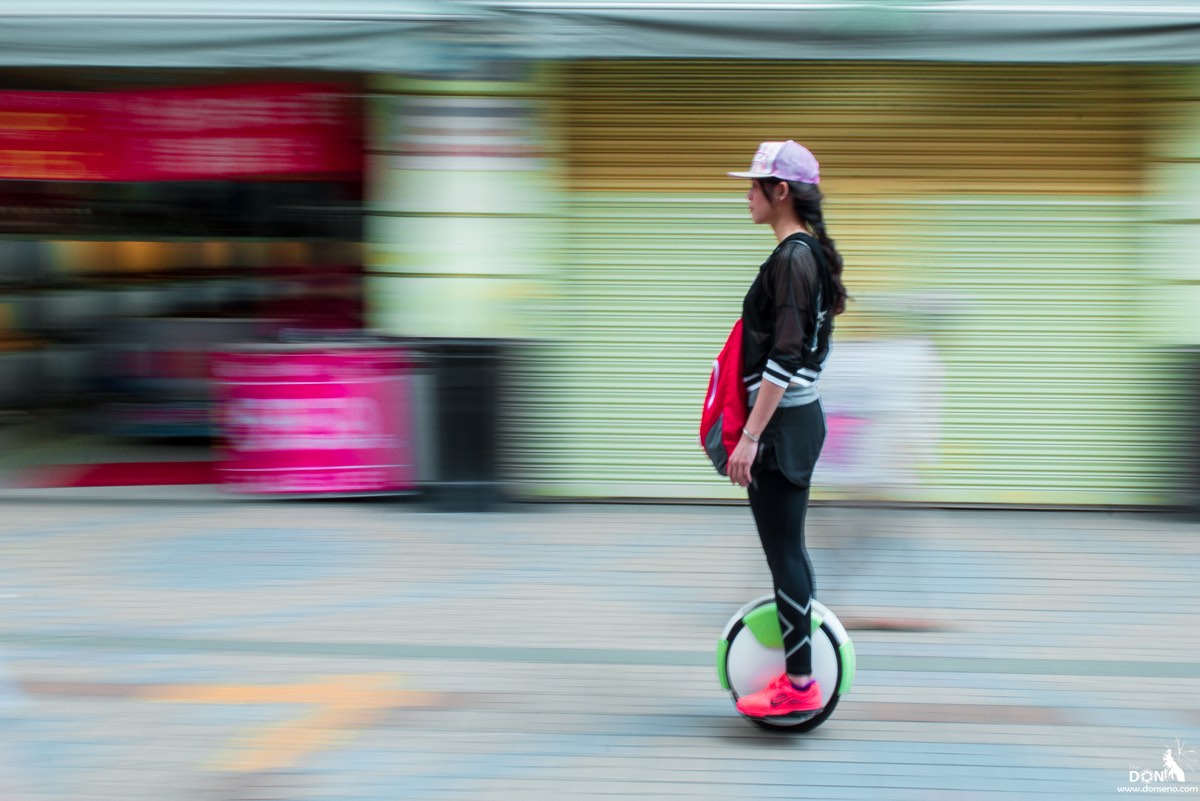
(538, 190)
(1008, 186)
(144, 226)
(175, 183)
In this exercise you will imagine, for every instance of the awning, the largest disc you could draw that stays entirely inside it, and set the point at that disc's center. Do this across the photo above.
(345, 35)
(1076, 31)
(423, 36)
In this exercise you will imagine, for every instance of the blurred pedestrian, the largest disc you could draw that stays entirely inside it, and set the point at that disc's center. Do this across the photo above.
(787, 322)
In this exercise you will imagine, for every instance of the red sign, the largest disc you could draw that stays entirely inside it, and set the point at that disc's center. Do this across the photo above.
(269, 130)
(238, 131)
(53, 136)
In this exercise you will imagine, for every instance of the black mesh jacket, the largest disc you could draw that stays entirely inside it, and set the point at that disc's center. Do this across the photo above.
(787, 316)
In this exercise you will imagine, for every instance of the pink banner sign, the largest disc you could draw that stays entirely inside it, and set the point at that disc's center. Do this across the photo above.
(328, 421)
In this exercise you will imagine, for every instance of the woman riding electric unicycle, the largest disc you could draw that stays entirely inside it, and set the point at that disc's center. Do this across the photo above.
(785, 658)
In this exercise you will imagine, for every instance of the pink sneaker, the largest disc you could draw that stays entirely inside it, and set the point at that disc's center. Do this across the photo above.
(781, 697)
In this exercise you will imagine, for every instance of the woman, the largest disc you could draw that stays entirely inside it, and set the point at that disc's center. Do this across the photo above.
(787, 320)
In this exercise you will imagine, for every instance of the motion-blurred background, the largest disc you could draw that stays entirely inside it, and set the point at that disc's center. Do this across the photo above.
(488, 248)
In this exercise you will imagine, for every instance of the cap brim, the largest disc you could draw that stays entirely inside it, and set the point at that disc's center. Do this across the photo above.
(748, 174)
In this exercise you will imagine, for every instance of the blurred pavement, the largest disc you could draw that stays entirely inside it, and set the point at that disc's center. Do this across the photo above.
(179, 649)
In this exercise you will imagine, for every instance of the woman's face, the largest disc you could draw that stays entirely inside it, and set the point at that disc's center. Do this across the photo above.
(761, 209)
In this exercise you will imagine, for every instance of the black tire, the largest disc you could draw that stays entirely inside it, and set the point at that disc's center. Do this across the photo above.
(799, 728)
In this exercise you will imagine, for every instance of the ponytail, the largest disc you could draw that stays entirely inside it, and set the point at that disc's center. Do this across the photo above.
(832, 258)
(807, 199)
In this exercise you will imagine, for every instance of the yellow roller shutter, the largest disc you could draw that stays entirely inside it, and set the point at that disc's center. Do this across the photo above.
(1008, 197)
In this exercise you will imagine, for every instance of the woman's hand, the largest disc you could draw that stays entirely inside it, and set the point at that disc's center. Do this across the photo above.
(741, 460)
(743, 456)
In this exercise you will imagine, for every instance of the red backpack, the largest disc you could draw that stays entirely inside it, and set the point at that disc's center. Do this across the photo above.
(725, 406)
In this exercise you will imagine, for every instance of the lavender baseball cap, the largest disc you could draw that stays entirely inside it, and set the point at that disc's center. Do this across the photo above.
(787, 161)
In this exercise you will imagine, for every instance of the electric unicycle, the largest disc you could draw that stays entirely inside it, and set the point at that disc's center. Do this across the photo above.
(750, 656)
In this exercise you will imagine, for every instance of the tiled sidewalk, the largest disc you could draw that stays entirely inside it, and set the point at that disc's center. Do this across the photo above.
(229, 651)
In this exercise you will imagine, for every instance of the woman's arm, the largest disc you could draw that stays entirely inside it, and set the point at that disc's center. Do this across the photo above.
(746, 451)
(793, 274)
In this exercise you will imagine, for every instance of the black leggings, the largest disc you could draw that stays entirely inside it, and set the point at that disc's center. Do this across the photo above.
(779, 507)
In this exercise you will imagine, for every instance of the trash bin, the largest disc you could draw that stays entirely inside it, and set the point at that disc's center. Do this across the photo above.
(466, 393)
(1190, 367)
